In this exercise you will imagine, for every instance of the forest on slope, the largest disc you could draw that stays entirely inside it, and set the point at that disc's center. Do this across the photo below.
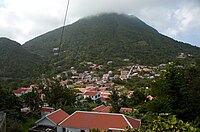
(16, 62)
(110, 37)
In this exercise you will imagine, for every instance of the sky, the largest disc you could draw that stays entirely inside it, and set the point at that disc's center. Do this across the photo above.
(23, 20)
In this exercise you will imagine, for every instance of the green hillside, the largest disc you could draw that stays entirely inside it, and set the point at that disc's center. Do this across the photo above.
(15, 61)
(110, 37)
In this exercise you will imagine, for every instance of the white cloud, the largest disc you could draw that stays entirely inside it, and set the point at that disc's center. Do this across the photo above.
(23, 20)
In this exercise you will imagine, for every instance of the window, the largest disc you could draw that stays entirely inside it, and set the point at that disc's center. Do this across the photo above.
(82, 130)
(63, 129)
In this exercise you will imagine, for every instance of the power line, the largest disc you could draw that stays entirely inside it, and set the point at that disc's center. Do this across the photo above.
(63, 28)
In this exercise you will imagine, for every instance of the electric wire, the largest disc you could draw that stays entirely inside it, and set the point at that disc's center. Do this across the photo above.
(63, 28)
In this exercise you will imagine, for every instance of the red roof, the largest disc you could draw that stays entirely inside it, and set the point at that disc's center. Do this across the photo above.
(134, 122)
(21, 90)
(64, 82)
(107, 109)
(91, 93)
(39, 90)
(103, 99)
(130, 110)
(105, 95)
(99, 108)
(102, 108)
(101, 121)
(57, 116)
(46, 109)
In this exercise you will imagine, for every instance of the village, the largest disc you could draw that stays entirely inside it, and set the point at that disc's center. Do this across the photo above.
(97, 86)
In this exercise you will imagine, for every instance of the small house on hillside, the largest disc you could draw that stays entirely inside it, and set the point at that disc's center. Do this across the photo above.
(103, 108)
(49, 122)
(21, 91)
(46, 110)
(94, 95)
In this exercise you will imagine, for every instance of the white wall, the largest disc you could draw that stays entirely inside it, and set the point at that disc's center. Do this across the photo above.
(60, 129)
(46, 122)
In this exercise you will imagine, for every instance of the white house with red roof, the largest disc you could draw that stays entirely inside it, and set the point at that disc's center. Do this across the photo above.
(46, 110)
(21, 91)
(105, 94)
(52, 119)
(94, 95)
(82, 121)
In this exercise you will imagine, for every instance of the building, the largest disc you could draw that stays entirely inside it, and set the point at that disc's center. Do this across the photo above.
(82, 121)
(21, 91)
(49, 122)
(94, 95)
(46, 110)
(103, 108)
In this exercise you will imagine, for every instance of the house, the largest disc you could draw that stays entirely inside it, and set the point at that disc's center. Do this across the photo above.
(99, 108)
(21, 91)
(103, 108)
(80, 82)
(118, 87)
(46, 110)
(64, 83)
(104, 96)
(94, 95)
(50, 121)
(126, 110)
(82, 121)
(123, 75)
(105, 77)
(150, 97)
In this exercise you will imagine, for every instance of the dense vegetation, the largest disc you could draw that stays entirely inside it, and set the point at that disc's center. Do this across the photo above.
(177, 92)
(15, 62)
(110, 37)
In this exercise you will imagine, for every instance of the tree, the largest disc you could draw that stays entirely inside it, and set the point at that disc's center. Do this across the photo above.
(177, 92)
(32, 100)
(163, 124)
(57, 96)
(115, 101)
(137, 97)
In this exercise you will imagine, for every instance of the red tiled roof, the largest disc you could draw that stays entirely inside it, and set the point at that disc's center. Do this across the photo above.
(101, 121)
(134, 122)
(150, 97)
(105, 94)
(57, 116)
(46, 109)
(39, 90)
(107, 109)
(99, 108)
(103, 99)
(21, 90)
(91, 93)
(102, 108)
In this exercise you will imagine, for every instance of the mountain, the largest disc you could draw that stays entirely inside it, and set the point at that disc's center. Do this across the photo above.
(110, 37)
(15, 61)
